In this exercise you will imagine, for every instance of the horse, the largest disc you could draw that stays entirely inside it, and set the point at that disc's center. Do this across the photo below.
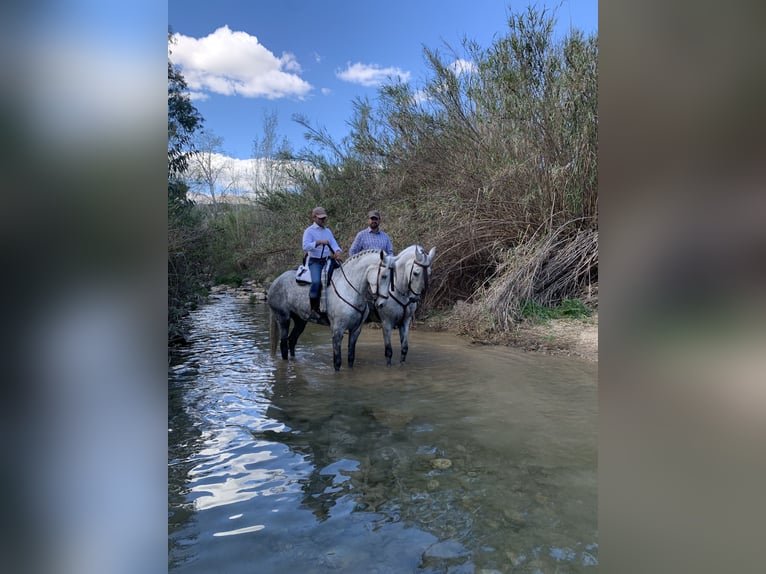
(412, 271)
(359, 280)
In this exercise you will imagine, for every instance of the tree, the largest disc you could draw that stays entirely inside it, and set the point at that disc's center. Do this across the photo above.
(210, 170)
(183, 122)
(270, 168)
(185, 259)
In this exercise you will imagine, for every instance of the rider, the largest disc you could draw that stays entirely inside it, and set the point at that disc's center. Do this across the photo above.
(372, 237)
(320, 244)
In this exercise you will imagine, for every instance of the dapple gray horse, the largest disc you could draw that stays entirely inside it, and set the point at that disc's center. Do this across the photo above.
(412, 272)
(359, 280)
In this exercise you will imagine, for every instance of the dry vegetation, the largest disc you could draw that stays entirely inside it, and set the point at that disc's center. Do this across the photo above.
(496, 168)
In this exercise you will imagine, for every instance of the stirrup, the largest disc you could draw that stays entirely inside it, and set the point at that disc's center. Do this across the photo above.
(323, 320)
(318, 317)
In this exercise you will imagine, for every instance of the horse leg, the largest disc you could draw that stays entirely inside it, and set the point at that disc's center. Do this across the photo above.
(352, 338)
(387, 328)
(284, 329)
(337, 339)
(404, 335)
(298, 326)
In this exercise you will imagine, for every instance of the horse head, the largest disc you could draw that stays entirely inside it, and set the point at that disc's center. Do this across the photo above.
(413, 271)
(379, 277)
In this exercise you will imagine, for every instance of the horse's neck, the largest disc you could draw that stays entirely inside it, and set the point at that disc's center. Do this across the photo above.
(402, 276)
(354, 281)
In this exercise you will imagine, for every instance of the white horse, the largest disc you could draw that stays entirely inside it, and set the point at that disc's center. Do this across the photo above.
(412, 272)
(357, 282)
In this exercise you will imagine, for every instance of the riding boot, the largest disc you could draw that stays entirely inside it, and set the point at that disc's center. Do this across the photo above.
(316, 315)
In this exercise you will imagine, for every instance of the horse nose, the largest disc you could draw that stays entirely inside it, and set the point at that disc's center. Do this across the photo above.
(414, 298)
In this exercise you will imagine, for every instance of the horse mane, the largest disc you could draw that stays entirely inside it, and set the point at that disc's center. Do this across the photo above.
(361, 254)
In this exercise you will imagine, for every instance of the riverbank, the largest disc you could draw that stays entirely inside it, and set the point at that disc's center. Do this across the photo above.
(569, 337)
(562, 337)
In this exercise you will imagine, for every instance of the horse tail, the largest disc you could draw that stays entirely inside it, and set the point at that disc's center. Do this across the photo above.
(273, 335)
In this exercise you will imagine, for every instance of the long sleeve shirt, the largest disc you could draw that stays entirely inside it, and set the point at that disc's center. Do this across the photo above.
(316, 233)
(369, 239)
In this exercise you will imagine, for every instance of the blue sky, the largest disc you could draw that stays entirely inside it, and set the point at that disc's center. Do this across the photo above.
(245, 59)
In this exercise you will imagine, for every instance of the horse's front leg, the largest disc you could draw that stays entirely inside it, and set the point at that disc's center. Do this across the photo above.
(404, 337)
(337, 339)
(387, 328)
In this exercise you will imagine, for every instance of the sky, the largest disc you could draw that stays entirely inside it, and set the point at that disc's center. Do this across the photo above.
(249, 59)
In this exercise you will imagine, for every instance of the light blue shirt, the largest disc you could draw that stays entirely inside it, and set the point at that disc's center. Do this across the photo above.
(369, 239)
(315, 233)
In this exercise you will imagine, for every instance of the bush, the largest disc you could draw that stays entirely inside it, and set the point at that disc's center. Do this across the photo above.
(568, 308)
(232, 279)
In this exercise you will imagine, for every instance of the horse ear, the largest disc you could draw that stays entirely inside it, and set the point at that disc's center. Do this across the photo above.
(431, 253)
(382, 255)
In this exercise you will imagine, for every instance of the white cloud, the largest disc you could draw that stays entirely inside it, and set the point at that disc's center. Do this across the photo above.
(461, 66)
(241, 178)
(371, 74)
(235, 63)
(421, 96)
(326, 91)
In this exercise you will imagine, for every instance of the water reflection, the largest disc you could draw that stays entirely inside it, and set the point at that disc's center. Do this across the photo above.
(466, 458)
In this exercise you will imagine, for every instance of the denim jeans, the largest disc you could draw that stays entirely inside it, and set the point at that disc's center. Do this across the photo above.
(315, 267)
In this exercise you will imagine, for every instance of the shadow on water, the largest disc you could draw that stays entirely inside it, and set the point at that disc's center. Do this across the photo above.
(466, 459)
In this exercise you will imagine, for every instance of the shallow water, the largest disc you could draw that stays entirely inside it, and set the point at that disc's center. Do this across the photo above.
(466, 459)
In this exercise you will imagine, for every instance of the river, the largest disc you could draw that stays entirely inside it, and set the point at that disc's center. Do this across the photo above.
(468, 458)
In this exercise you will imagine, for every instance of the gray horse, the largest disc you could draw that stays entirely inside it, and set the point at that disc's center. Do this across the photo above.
(412, 272)
(357, 282)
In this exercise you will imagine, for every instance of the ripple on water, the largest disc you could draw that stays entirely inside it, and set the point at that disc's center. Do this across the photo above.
(294, 467)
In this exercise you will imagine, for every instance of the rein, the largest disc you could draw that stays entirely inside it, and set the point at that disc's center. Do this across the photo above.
(335, 288)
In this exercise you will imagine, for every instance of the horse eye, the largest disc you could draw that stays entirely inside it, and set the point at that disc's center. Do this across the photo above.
(416, 272)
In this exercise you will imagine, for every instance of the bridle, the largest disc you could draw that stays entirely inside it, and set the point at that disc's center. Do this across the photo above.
(425, 280)
(410, 290)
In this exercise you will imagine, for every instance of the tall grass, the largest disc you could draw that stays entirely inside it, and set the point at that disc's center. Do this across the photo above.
(494, 163)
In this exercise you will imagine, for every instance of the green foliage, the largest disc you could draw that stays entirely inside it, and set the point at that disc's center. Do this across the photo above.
(574, 309)
(568, 308)
(183, 121)
(186, 264)
(232, 279)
